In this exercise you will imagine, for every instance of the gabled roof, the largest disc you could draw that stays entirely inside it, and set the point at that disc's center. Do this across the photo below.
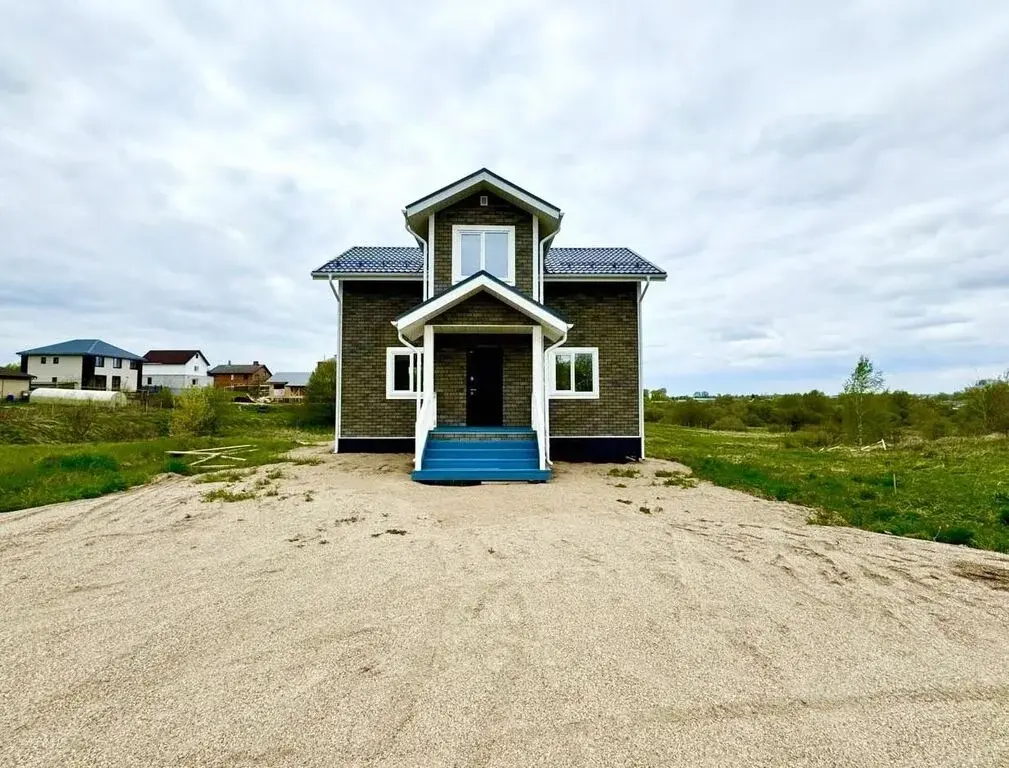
(411, 321)
(388, 260)
(404, 262)
(16, 375)
(484, 179)
(218, 370)
(173, 356)
(597, 262)
(79, 347)
(291, 379)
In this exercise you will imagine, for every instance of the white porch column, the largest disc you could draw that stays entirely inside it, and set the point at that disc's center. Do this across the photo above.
(428, 364)
(539, 398)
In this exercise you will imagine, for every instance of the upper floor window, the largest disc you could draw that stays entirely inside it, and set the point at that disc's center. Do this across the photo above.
(117, 362)
(491, 249)
(133, 365)
(56, 361)
(43, 361)
(99, 361)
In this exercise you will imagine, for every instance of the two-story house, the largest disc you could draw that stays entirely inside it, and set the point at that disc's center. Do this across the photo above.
(485, 350)
(83, 364)
(240, 376)
(176, 369)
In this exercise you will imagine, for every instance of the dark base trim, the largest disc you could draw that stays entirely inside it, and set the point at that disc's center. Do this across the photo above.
(376, 445)
(603, 449)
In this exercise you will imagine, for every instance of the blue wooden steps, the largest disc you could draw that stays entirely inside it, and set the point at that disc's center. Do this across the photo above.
(473, 455)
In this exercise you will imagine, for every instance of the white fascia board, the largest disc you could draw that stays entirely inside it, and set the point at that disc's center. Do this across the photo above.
(603, 278)
(409, 324)
(368, 276)
(483, 177)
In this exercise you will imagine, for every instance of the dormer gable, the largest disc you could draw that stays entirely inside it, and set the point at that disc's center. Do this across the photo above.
(482, 222)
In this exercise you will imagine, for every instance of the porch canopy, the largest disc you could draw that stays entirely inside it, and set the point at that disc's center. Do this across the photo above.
(519, 311)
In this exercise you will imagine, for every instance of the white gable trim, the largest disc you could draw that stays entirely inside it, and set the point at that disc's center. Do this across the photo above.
(483, 177)
(412, 323)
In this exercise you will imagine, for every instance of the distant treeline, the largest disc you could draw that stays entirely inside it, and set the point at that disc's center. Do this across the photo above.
(827, 420)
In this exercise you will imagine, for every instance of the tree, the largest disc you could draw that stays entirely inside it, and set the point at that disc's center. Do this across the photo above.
(320, 394)
(988, 405)
(10, 368)
(863, 382)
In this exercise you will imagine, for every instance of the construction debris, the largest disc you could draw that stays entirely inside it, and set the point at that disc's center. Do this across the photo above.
(226, 453)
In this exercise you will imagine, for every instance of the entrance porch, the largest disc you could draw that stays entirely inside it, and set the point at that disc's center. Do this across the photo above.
(478, 363)
(479, 407)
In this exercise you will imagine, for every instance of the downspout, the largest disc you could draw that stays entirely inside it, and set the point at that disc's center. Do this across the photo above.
(423, 252)
(641, 367)
(543, 255)
(546, 397)
(418, 378)
(338, 365)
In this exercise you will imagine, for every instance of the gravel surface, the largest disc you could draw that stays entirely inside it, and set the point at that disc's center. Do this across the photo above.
(357, 619)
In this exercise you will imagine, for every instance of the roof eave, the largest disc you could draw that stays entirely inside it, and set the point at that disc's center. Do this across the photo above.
(484, 178)
(367, 275)
(603, 276)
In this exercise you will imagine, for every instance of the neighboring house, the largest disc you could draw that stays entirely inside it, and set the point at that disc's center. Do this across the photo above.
(176, 369)
(288, 385)
(242, 376)
(14, 383)
(485, 351)
(83, 364)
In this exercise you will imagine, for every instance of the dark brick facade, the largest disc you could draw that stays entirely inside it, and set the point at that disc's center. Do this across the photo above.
(368, 311)
(604, 315)
(497, 212)
(450, 376)
(482, 309)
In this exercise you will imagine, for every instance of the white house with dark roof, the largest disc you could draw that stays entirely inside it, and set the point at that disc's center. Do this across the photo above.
(176, 369)
(83, 364)
(485, 350)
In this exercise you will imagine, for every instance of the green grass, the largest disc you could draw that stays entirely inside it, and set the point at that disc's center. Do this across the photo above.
(33, 475)
(954, 490)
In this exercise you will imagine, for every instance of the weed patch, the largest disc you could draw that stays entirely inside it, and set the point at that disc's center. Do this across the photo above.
(310, 461)
(624, 472)
(224, 494)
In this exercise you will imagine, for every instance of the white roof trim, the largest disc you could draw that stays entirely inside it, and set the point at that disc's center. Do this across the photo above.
(413, 322)
(471, 181)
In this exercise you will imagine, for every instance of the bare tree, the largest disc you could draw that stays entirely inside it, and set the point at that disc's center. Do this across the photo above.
(863, 382)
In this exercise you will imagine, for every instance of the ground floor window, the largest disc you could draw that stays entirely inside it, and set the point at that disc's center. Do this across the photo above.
(574, 372)
(117, 382)
(148, 381)
(401, 374)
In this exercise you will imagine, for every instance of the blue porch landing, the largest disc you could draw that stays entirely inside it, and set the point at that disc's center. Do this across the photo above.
(477, 454)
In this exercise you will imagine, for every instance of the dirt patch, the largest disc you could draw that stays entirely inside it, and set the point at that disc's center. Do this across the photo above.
(990, 575)
(510, 625)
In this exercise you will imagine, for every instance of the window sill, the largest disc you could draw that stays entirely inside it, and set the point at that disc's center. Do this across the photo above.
(574, 395)
(400, 395)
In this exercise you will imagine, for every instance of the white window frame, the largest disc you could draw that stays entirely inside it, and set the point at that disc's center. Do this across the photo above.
(570, 394)
(458, 230)
(391, 353)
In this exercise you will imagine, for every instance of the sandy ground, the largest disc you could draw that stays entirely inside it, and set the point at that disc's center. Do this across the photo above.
(516, 625)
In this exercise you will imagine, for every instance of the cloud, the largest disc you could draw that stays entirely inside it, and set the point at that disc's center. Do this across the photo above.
(819, 181)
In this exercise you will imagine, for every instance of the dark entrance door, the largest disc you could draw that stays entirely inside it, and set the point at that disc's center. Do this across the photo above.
(484, 387)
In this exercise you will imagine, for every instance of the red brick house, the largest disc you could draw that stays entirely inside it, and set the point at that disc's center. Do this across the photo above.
(486, 351)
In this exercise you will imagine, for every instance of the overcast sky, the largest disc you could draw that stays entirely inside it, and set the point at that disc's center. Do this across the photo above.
(819, 179)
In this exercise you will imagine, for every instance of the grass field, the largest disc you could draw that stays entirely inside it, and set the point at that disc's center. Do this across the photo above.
(954, 490)
(61, 453)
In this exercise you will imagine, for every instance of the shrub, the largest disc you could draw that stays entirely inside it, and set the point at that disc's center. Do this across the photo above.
(956, 535)
(729, 424)
(199, 412)
(80, 462)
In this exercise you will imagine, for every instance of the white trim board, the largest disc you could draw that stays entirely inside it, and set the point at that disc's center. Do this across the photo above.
(475, 180)
(410, 324)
